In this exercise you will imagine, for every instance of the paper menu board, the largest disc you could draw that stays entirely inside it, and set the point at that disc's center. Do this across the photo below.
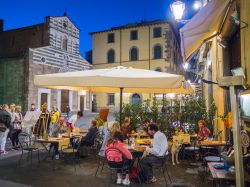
(30, 118)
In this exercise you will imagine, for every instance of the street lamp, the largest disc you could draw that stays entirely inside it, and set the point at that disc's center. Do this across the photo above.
(197, 5)
(177, 9)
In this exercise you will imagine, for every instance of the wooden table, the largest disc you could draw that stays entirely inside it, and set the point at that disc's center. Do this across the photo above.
(138, 135)
(184, 137)
(143, 141)
(61, 141)
(204, 145)
(221, 175)
(212, 143)
(66, 135)
(84, 131)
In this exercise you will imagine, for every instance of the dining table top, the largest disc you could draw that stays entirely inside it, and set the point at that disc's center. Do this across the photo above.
(213, 143)
(64, 141)
(143, 141)
(222, 174)
(136, 134)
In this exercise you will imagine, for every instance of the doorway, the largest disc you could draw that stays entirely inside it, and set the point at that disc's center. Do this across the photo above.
(44, 99)
(64, 100)
(82, 103)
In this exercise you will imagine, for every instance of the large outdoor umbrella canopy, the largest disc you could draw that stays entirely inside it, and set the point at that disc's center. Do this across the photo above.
(112, 79)
(118, 79)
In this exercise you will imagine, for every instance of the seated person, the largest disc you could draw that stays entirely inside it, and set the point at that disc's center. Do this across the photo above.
(143, 126)
(204, 132)
(125, 129)
(153, 154)
(107, 134)
(116, 158)
(146, 124)
(89, 139)
(60, 128)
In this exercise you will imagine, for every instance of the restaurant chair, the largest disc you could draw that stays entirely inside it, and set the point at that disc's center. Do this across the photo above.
(97, 143)
(191, 151)
(101, 159)
(27, 145)
(101, 162)
(70, 153)
(162, 166)
(113, 166)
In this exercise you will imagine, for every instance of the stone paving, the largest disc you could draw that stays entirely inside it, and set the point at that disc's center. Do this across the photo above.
(64, 175)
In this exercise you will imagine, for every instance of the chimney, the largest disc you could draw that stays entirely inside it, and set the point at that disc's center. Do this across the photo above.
(1, 25)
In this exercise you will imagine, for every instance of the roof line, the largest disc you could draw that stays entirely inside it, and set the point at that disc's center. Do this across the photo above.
(134, 25)
(25, 27)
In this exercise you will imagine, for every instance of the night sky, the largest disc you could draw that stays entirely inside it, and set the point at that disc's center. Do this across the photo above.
(88, 15)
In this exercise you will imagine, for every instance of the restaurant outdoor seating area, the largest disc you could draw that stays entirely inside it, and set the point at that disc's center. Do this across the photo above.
(149, 148)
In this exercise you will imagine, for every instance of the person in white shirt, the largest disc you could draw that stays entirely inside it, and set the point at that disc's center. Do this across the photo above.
(154, 154)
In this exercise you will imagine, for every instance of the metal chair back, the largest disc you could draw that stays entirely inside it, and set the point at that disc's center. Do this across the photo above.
(25, 140)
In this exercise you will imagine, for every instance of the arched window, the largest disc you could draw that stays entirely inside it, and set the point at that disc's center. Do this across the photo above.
(111, 56)
(133, 54)
(65, 44)
(157, 52)
(136, 99)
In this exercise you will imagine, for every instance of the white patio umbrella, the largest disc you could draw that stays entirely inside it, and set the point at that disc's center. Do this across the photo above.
(118, 79)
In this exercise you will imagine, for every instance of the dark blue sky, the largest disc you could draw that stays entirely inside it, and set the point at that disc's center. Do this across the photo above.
(88, 15)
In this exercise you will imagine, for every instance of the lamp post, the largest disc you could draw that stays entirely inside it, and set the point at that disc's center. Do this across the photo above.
(177, 9)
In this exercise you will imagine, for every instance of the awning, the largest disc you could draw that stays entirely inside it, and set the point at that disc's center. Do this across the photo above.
(203, 26)
(112, 79)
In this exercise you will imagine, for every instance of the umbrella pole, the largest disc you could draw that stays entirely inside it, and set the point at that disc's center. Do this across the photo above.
(121, 94)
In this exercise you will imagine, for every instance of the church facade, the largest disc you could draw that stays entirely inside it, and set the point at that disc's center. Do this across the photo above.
(49, 47)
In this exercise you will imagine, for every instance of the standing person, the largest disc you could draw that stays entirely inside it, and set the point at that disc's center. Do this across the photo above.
(155, 153)
(75, 120)
(5, 120)
(17, 127)
(12, 112)
(80, 121)
(32, 107)
(204, 132)
(54, 117)
(68, 111)
(122, 158)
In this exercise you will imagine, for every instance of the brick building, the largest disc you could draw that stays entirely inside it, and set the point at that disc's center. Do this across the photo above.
(49, 47)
